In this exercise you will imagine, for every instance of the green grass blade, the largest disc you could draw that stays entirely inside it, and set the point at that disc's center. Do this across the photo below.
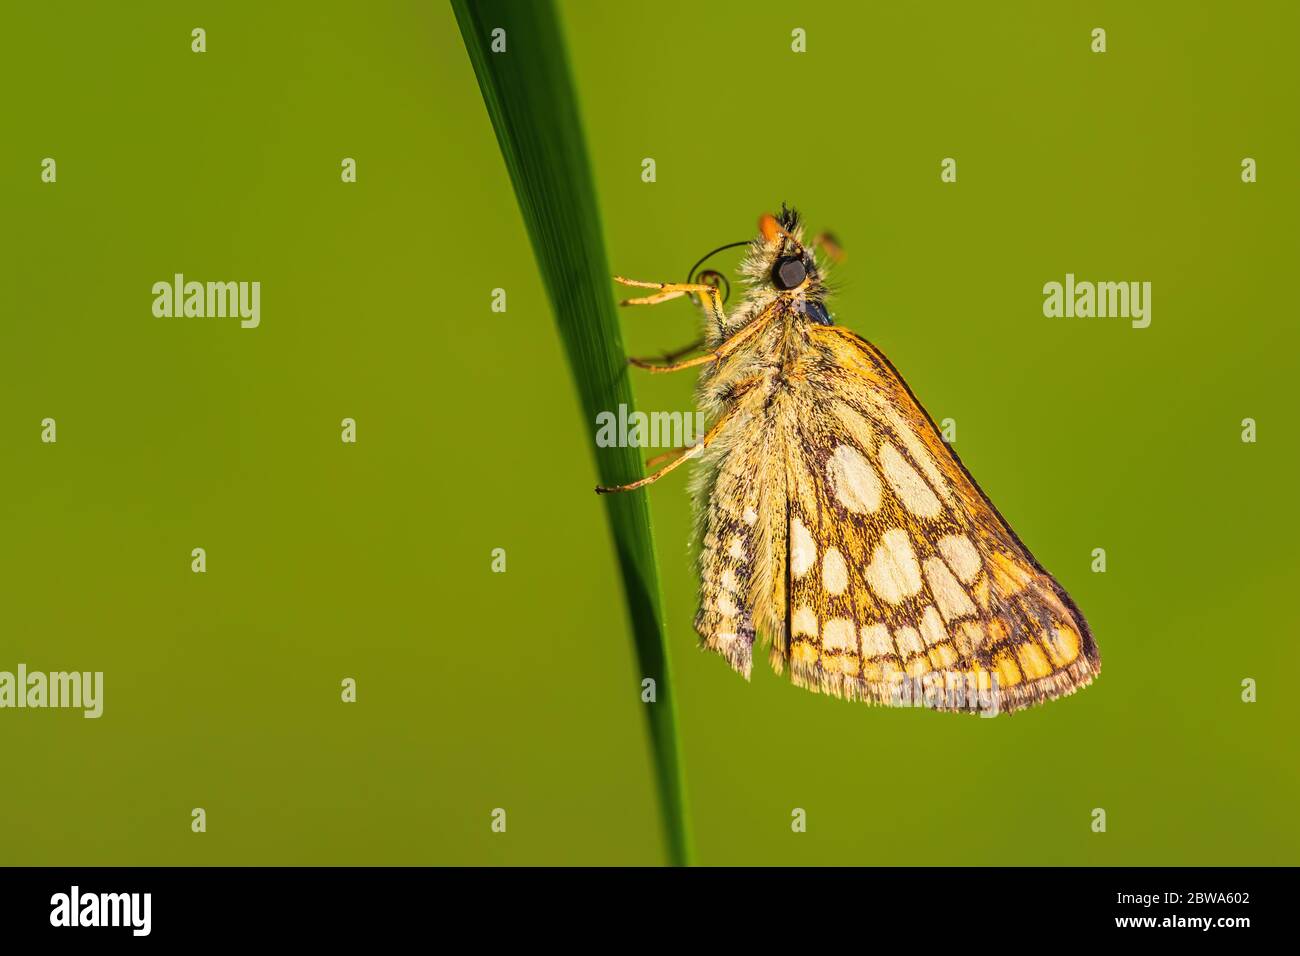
(530, 98)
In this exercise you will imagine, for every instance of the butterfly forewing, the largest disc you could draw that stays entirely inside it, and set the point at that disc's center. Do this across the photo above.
(839, 524)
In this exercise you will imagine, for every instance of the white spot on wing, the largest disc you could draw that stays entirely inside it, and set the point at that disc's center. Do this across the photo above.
(908, 641)
(803, 551)
(893, 572)
(916, 448)
(932, 628)
(950, 596)
(875, 641)
(804, 622)
(961, 554)
(838, 635)
(853, 480)
(907, 484)
(835, 573)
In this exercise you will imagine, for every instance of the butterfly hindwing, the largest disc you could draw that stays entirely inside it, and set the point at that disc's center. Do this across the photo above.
(742, 558)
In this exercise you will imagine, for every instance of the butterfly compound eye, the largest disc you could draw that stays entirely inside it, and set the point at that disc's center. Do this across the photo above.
(789, 272)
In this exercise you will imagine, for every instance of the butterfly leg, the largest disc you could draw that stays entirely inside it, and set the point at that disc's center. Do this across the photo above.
(740, 388)
(721, 352)
(683, 455)
(675, 290)
(674, 366)
(674, 355)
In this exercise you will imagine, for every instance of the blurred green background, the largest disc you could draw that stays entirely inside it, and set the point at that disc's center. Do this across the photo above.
(518, 690)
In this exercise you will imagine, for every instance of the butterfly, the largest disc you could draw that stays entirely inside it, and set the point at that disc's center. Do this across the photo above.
(836, 524)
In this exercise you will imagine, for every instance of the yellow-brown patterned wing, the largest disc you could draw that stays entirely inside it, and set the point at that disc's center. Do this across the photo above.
(906, 587)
